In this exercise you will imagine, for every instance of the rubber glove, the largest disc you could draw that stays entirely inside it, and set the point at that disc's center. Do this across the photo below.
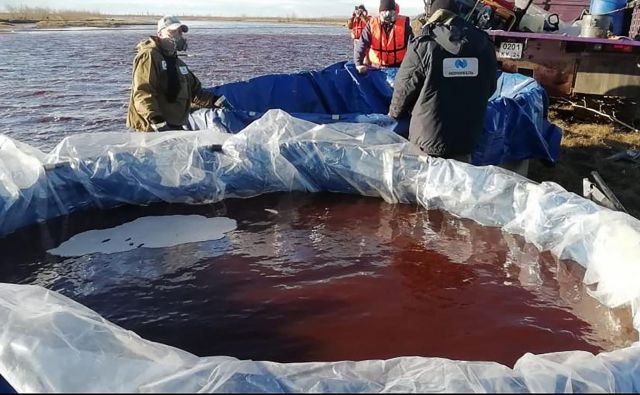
(223, 103)
(160, 127)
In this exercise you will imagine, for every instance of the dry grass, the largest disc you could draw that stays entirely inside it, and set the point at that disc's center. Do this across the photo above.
(306, 21)
(46, 17)
(586, 143)
(36, 14)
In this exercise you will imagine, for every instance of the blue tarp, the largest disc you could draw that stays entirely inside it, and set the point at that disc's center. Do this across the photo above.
(5, 388)
(516, 125)
(516, 128)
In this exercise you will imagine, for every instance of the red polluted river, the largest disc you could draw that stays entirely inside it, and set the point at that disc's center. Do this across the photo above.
(327, 277)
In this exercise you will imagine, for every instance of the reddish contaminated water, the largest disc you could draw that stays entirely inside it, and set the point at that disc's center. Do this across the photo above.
(328, 277)
(56, 83)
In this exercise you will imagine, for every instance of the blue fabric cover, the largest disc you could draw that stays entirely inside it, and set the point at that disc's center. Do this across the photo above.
(516, 124)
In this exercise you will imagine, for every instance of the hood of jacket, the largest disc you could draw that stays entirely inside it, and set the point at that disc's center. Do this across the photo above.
(151, 43)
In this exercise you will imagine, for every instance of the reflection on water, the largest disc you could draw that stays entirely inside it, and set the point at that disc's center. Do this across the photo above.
(60, 82)
(321, 277)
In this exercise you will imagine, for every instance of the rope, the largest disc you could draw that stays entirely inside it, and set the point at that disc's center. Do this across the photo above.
(631, 4)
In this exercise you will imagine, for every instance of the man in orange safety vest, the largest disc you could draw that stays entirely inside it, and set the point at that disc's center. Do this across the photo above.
(384, 38)
(359, 19)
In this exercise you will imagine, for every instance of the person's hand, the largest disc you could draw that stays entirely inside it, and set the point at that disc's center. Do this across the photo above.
(362, 69)
(222, 103)
(160, 126)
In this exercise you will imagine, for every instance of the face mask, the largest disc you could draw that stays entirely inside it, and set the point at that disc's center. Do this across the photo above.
(388, 17)
(172, 42)
(181, 43)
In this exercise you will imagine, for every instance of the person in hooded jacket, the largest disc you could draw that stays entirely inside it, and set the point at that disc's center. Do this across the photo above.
(444, 83)
(164, 90)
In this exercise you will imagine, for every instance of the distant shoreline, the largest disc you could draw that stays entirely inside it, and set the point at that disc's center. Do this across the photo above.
(8, 21)
(311, 21)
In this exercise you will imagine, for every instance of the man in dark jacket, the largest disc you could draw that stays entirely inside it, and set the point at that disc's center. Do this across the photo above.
(444, 84)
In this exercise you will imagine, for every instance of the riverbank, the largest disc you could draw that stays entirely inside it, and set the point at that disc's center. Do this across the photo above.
(11, 21)
(302, 21)
(71, 19)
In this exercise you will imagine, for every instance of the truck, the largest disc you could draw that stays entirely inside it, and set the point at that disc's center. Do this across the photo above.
(566, 65)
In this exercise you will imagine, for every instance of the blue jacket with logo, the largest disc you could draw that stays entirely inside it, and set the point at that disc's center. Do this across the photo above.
(446, 94)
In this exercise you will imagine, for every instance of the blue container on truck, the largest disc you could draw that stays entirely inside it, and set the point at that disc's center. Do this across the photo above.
(607, 7)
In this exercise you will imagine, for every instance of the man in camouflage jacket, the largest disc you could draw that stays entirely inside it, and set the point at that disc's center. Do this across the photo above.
(164, 89)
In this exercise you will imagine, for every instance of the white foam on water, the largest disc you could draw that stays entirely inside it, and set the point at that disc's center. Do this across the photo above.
(146, 232)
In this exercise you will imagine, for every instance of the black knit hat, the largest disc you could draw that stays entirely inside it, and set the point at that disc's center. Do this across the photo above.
(387, 5)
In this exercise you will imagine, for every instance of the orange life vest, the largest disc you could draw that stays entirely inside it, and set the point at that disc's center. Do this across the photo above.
(388, 51)
(357, 27)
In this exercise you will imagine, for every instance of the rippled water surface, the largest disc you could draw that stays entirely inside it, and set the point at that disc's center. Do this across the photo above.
(322, 277)
(59, 82)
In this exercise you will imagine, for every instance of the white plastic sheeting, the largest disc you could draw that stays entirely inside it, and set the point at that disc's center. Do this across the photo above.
(50, 343)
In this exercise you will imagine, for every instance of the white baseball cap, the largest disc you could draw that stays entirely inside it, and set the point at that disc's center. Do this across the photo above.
(171, 22)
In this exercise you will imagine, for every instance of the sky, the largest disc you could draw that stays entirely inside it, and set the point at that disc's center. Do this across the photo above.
(298, 8)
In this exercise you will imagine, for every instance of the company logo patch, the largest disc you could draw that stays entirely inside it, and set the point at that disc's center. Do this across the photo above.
(460, 67)
(461, 64)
